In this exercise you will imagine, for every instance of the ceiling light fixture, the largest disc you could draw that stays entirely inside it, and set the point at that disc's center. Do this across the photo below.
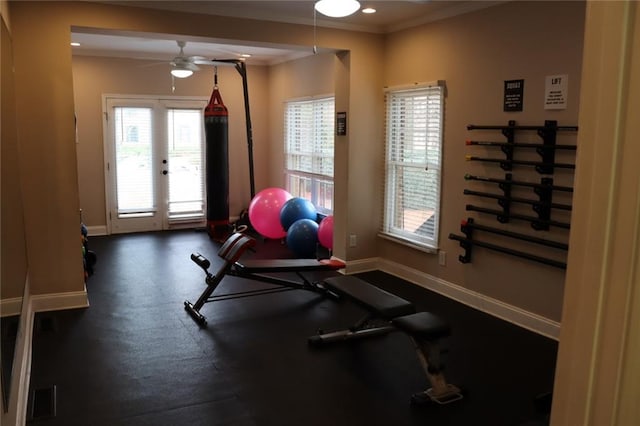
(337, 8)
(74, 44)
(181, 72)
(368, 10)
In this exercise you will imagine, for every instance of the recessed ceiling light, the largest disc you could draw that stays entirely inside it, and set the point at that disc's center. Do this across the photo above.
(245, 55)
(75, 44)
(368, 10)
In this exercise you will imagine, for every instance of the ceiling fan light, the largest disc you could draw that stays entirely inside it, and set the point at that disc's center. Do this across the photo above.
(337, 8)
(181, 73)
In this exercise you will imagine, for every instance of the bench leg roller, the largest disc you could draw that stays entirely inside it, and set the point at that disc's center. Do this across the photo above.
(440, 392)
(195, 313)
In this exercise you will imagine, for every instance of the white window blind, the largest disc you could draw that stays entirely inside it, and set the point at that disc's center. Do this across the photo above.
(186, 163)
(134, 155)
(414, 120)
(309, 138)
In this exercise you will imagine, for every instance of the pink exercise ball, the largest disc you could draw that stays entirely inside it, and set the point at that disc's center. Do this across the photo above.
(264, 212)
(325, 232)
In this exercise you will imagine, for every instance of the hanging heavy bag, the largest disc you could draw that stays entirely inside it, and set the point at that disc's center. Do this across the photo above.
(216, 128)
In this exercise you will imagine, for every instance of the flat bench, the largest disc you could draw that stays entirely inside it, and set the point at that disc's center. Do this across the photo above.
(387, 312)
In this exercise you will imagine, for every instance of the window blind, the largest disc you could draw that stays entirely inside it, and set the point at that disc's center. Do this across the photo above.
(134, 155)
(186, 163)
(309, 142)
(413, 145)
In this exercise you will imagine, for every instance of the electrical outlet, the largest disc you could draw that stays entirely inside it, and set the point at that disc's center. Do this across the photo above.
(353, 241)
(442, 258)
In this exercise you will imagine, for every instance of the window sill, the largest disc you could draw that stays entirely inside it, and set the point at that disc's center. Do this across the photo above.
(407, 243)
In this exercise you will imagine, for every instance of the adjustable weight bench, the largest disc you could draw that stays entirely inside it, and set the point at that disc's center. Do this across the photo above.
(255, 269)
(386, 313)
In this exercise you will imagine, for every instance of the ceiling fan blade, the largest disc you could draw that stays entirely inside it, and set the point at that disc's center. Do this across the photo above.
(200, 60)
(185, 65)
(152, 64)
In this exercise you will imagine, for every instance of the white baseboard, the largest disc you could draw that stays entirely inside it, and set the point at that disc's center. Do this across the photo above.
(10, 307)
(16, 414)
(60, 301)
(97, 230)
(513, 314)
(21, 373)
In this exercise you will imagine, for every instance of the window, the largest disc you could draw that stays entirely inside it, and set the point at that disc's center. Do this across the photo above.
(308, 149)
(413, 163)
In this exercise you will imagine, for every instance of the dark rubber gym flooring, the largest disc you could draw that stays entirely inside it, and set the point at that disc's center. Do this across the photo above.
(135, 357)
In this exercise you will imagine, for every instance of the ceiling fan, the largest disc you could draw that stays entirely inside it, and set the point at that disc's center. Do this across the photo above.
(183, 66)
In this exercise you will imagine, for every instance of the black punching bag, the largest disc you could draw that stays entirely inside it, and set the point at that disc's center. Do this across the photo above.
(216, 127)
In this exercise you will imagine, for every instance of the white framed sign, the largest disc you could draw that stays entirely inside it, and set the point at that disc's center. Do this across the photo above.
(555, 91)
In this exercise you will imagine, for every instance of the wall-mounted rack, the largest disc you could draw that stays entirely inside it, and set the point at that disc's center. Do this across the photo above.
(518, 145)
(543, 205)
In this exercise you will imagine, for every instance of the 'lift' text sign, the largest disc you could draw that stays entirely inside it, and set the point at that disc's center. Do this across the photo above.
(555, 93)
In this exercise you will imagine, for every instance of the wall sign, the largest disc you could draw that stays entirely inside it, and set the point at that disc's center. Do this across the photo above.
(555, 91)
(513, 95)
(341, 124)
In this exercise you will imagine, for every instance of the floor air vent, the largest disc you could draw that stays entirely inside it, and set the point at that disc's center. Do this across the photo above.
(42, 403)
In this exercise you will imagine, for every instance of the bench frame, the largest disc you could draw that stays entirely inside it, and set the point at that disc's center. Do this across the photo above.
(231, 251)
(380, 321)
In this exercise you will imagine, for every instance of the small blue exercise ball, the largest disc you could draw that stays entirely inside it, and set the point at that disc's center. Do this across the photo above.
(295, 209)
(302, 238)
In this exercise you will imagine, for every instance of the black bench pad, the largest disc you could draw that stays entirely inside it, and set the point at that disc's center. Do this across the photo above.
(251, 266)
(423, 325)
(383, 303)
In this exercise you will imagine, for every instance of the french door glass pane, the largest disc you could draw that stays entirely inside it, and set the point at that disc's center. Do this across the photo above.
(186, 177)
(134, 155)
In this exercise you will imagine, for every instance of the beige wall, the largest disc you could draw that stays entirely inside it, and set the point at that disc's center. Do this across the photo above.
(474, 54)
(94, 77)
(294, 80)
(12, 248)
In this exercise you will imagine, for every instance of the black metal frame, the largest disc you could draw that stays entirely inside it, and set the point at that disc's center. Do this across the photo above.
(235, 269)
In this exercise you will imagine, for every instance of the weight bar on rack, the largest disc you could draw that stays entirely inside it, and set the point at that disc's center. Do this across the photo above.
(519, 145)
(536, 223)
(517, 200)
(518, 183)
(537, 164)
(549, 127)
(469, 223)
(466, 243)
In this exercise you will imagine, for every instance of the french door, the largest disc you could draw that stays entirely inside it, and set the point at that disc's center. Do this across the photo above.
(155, 167)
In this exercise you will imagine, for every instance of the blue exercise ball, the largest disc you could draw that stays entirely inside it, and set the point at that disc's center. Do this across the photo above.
(302, 238)
(295, 209)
